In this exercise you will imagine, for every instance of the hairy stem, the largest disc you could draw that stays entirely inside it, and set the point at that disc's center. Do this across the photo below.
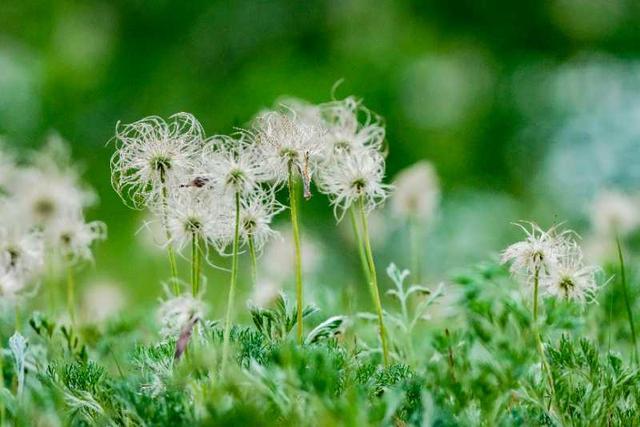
(165, 223)
(627, 302)
(195, 264)
(232, 287)
(254, 259)
(358, 238)
(293, 198)
(536, 285)
(373, 282)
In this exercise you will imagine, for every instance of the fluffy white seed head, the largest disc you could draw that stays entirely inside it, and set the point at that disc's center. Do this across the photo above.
(175, 312)
(233, 165)
(354, 177)
(45, 195)
(570, 279)
(351, 128)
(305, 112)
(417, 193)
(11, 287)
(615, 212)
(21, 259)
(73, 237)
(285, 142)
(201, 212)
(256, 217)
(153, 153)
(538, 252)
(556, 260)
(55, 154)
(41, 213)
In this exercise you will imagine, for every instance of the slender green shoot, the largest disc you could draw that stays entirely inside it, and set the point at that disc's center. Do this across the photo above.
(232, 288)
(293, 198)
(373, 282)
(539, 346)
(195, 264)
(254, 260)
(165, 223)
(358, 238)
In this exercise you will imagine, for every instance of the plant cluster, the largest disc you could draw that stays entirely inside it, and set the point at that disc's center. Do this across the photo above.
(219, 192)
(547, 340)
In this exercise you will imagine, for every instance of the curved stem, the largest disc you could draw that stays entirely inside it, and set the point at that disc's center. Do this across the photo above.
(627, 302)
(254, 260)
(373, 282)
(195, 264)
(232, 287)
(293, 198)
(165, 223)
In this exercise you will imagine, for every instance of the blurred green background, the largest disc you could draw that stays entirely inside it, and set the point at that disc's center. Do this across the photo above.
(526, 108)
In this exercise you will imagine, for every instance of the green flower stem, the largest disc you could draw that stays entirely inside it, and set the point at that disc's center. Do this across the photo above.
(165, 223)
(536, 285)
(358, 237)
(195, 264)
(536, 332)
(71, 307)
(232, 287)
(373, 282)
(627, 302)
(293, 198)
(254, 259)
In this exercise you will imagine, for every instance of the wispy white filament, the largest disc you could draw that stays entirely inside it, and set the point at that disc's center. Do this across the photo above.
(570, 279)
(175, 312)
(74, 237)
(354, 177)
(256, 217)
(555, 260)
(22, 255)
(234, 165)
(351, 128)
(202, 213)
(153, 153)
(286, 143)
